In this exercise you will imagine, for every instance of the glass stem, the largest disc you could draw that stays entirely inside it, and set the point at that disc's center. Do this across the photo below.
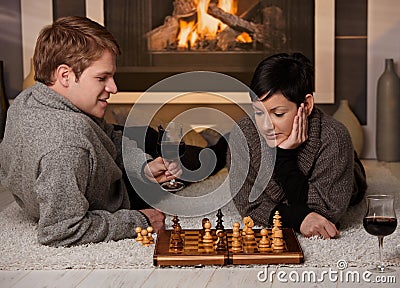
(381, 264)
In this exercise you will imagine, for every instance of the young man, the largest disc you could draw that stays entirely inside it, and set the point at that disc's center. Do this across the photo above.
(316, 175)
(59, 159)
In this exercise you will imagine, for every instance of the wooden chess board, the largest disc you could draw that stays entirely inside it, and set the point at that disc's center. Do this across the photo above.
(194, 253)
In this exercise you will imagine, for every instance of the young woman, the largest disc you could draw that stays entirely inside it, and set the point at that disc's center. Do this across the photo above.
(316, 174)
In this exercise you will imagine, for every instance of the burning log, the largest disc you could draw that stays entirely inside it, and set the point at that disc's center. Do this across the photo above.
(237, 23)
(269, 33)
(227, 37)
(164, 35)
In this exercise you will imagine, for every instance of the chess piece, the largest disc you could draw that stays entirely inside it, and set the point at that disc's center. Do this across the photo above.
(207, 238)
(249, 224)
(220, 241)
(219, 225)
(139, 237)
(277, 224)
(264, 244)
(175, 220)
(176, 239)
(203, 221)
(277, 241)
(236, 244)
(150, 231)
(145, 241)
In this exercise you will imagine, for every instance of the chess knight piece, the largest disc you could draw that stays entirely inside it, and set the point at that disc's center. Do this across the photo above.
(249, 224)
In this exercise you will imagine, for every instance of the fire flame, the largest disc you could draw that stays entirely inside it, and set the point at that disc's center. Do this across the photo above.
(206, 27)
(186, 28)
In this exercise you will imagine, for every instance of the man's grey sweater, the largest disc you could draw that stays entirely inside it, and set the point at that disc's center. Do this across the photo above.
(64, 169)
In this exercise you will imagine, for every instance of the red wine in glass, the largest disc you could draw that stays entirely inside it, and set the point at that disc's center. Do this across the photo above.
(380, 220)
(380, 226)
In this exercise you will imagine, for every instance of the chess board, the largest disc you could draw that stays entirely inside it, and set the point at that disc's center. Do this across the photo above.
(194, 253)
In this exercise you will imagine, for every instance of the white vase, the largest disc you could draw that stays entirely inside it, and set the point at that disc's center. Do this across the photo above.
(346, 116)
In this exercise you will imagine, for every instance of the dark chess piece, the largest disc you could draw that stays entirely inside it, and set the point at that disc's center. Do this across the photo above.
(220, 226)
(176, 239)
(221, 246)
(175, 220)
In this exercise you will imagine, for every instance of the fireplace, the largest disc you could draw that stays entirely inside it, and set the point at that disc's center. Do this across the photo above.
(156, 45)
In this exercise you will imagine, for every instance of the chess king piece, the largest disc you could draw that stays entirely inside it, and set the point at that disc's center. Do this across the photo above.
(219, 225)
(277, 224)
(264, 245)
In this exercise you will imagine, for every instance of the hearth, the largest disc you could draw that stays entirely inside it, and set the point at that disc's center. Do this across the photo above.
(161, 38)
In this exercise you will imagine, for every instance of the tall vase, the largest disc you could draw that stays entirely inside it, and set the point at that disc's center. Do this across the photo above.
(29, 79)
(388, 115)
(4, 104)
(345, 115)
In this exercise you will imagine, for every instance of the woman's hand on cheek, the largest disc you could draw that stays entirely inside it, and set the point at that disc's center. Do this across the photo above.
(299, 132)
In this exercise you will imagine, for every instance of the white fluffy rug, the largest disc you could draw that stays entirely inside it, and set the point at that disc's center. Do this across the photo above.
(19, 248)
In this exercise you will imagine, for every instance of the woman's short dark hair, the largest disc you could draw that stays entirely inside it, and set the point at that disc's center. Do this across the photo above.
(290, 74)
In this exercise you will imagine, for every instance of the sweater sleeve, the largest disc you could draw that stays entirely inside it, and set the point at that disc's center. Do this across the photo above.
(331, 181)
(66, 217)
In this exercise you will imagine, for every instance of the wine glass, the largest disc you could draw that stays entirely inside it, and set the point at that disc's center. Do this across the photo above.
(380, 220)
(171, 147)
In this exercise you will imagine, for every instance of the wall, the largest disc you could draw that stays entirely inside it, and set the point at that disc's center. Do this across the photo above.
(11, 45)
(383, 41)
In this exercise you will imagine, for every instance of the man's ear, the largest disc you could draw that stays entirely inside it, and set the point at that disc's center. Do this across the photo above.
(309, 103)
(63, 74)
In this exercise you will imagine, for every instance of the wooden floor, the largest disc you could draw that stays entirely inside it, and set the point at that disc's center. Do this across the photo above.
(197, 277)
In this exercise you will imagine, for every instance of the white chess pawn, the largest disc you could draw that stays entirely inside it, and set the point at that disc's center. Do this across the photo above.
(145, 240)
(207, 238)
(264, 244)
(139, 237)
(236, 245)
(150, 231)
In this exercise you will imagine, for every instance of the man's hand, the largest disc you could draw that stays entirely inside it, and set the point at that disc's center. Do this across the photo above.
(299, 132)
(156, 218)
(315, 224)
(160, 170)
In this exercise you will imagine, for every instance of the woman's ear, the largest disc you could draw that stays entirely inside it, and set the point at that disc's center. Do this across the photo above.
(309, 103)
(63, 74)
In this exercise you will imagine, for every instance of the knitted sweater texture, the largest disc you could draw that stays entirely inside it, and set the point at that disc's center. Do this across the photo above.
(64, 170)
